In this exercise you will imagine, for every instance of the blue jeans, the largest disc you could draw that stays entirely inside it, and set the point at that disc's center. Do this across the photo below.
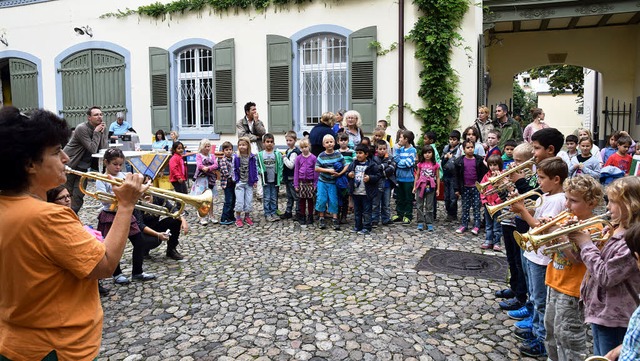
(292, 197)
(450, 199)
(270, 199)
(229, 202)
(606, 338)
(362, 212)
(492, 227)
(327, 198)
(538, 295)
(382, 206)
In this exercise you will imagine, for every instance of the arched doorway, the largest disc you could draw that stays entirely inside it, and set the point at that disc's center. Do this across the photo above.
(19, 82)
(92, 77)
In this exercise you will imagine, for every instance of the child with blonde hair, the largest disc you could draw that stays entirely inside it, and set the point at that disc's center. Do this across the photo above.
(245, 168)
(205, 176)
(612, 283)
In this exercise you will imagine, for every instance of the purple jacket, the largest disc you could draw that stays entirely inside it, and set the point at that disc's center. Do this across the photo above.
(253, 169)
(612, 274)
(305, 170)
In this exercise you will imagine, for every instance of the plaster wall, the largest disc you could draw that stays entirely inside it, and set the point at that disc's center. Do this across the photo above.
(612, 51)
(561, 112)
(48, 31)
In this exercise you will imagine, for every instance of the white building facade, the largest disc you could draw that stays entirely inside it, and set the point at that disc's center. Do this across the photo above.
(194, 72)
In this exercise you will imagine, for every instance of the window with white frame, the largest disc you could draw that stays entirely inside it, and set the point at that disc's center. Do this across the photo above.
(323, 77)
(195, 88)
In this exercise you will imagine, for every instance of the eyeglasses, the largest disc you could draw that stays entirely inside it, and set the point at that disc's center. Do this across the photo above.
(66, 197)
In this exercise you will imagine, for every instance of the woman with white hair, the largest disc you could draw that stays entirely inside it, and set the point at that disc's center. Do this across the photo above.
(352, 126)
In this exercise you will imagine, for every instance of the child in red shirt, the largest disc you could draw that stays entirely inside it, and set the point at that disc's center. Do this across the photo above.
(621, 159)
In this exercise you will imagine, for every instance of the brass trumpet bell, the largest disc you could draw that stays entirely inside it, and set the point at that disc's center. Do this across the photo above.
(534, 192)
(523, 167)
(201, 203)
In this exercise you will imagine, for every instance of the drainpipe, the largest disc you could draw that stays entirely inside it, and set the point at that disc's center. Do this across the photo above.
(401, 64)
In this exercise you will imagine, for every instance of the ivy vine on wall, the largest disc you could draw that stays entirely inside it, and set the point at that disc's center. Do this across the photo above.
(434, 34)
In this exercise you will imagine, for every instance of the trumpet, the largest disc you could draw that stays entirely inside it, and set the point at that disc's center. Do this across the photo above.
(529, 204)
(202, 203)
(532, 242)
(521, 239)
(493, 181)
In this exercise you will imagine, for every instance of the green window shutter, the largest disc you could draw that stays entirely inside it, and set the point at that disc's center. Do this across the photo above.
(225, 90)
(362, 76)
(108, 83)
(160, 99)
(77, 87)
(279, 56)
(24, 84)
(481, 88)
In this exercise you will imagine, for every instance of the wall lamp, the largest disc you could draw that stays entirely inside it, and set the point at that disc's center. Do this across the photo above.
(84, 30)
(3, 39)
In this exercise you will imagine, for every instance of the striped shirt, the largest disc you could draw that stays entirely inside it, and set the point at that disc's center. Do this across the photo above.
(326, 161)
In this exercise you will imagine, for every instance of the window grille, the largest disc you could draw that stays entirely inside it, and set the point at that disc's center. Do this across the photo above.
(195, 88)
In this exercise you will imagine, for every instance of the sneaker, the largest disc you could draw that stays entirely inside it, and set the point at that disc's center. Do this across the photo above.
(248, 221)
(364, 232)
(336, 224)
(286, 215)
(310, 219)
(143, 277)
(525, 325)
(505, 293)
(279, 213)
(420, 227)
(406, 221)
(214, 220)
(121, 279)
(486, 245)
(430, 227)
(519, 314)
(204, 221)
(396, 218)
(475, 231)
(533, 349)
(461, 230)
(511, 304)
(321, 223)
(226, 222)
(524, 335)
(239, 223)
(355, 230)
(497, 248)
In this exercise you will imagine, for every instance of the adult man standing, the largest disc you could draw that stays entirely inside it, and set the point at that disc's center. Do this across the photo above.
(87, 139)
(119, 127)
(253, 128)
(509, 128)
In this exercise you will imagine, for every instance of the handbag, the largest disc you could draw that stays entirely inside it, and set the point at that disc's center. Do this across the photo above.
(200, 185)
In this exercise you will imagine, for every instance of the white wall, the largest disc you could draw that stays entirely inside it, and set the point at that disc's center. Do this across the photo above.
(561, 112)
(48, 30)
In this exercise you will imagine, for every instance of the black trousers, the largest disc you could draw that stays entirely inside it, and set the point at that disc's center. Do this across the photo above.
(161, 225)
(140, 246)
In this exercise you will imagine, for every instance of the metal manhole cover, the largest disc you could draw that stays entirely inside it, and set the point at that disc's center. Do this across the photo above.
(464, 264)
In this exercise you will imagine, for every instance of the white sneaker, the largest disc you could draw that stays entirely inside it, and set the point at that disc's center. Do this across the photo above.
(214, 220)
(204, 221)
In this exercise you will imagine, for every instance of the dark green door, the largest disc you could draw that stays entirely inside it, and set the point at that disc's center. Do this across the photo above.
(92, 77)
(24, 84)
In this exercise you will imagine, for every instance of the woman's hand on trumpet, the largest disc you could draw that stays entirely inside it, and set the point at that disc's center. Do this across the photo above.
(129, 191)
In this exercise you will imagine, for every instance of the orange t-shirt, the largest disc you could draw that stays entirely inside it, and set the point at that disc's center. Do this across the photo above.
(565, 275)
(46, 301)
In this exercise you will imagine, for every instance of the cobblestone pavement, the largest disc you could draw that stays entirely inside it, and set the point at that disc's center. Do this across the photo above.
(281, 291)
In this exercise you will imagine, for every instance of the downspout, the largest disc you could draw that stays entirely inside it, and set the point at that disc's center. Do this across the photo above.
(401, 64)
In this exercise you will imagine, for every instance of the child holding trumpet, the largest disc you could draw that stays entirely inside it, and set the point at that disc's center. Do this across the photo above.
(564, 317)
(551, 174)
(612, 283)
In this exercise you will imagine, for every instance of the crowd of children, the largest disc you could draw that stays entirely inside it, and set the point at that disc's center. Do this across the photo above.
(545, 287)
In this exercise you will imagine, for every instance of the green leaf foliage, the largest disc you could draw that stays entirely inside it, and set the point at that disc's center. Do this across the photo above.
(561, 77)
(435, 34)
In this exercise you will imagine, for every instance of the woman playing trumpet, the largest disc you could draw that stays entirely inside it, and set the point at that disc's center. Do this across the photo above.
(610, 288)
(49, 265)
